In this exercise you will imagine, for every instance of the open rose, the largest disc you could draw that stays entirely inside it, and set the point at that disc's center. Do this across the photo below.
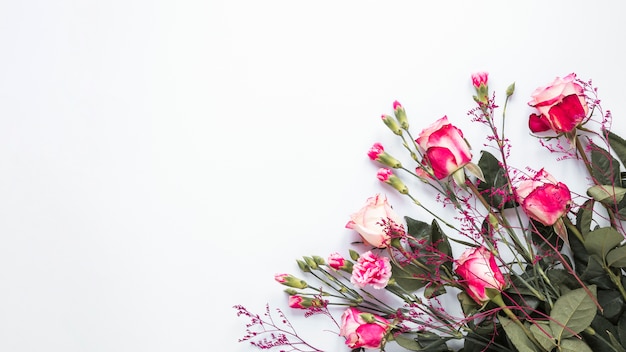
(371, 269)
(445, 150)
(543, 198)
(561, 104)
(478, 269)
(362, 329)
(374, 220)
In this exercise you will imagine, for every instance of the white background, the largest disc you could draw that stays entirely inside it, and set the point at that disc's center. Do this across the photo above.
(161, 160)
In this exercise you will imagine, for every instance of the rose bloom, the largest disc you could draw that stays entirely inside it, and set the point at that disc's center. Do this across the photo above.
(371, 269)
(543, 198)
(562, 106)
(478, 269)
(444, 148)
(361, 333)
(370, 221)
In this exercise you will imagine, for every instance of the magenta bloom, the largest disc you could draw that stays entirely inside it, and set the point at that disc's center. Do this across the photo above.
(336, 261)
(479, 79)
(543, 198)
(478, 269)
(371, 269)
(360, 332)
(384, 174)
(375, 151)
(562, 106)
(445, 150)
(300, 302)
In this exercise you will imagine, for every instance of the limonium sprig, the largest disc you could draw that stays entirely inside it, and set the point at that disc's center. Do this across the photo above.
(526, 264)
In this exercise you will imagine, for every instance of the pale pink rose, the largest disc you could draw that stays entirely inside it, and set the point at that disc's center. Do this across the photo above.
(479, 78)
(543, 198)
(478, 269)
(372, 221)
(371, 269)
(444, 148)
(562, 106)
(336, 261)
(360, 332)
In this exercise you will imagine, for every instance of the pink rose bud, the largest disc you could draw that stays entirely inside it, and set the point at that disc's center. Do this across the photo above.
(371, 269)
(387, 176)
(290, 281)
(336, 261)
(392, 124)
(377, 153)
(478, 269)
(375, 220)
(362, 333)
(300, 302)
(400, 114)
(444, 148)
(479, 79)
(562, 106)
(543, 198)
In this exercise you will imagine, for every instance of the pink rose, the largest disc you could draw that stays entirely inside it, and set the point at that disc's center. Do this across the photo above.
(371, 269)
(445, 150)
(478, 269)
(373, 220)
(543, 198)
(362, 329)
(562, 106)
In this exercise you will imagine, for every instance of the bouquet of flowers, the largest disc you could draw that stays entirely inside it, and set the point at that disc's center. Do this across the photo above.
(538, 268)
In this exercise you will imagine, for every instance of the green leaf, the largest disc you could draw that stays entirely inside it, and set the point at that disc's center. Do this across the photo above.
(434, 290)
(542, 333)
(517, 335)
(468, 305)
(574, 345)
(572, 313)
(439, 239)
(602, 240)
(410, 277)
(607, 194)
(612, 302)
(594, 273)
(616, 257)
(621, 329)
(417, 229)
(407, 343)
(584, 217)
(618, 144)
(604, 167)
(600, 334)
(495, 184)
